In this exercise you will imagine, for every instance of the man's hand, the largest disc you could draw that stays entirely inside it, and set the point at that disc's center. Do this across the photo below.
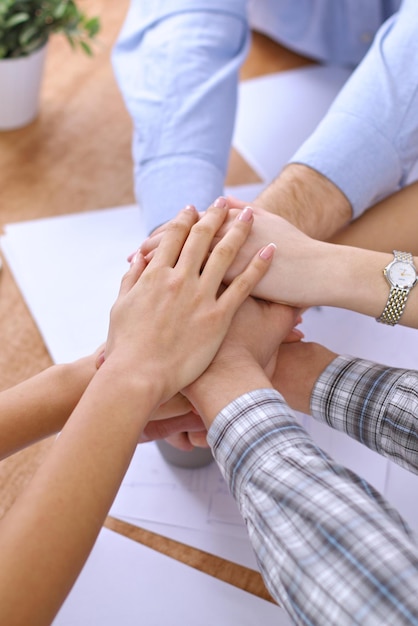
(298, 367)
(239, 366)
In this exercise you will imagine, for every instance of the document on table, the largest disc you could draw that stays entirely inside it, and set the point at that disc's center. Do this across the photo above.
(124, 582)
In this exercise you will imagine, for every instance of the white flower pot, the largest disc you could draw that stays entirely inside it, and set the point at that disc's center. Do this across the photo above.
(20, 82)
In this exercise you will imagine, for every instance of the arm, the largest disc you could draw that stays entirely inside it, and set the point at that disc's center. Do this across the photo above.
(40, 406)
(374, 404)
(367, 143)
(307, 272)
(184, 108)
(330, 549)
(165, 327)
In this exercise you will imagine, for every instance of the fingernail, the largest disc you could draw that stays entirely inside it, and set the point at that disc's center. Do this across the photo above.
(267, 252)
(298, 332)
(190, 207)
(221, 202)
(246, 214)
(138, 255)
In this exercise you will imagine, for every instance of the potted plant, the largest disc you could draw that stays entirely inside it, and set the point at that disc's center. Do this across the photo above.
(25, 28)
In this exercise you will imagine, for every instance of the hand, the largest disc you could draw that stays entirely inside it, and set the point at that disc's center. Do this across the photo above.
(296, 275)
(298, 367)
(297, 271)
(183, 432)
(251, 343)
(186, 431)
(168, 314)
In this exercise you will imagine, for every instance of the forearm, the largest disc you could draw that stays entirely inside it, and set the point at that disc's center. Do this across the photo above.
(308, 200)
(40, 406)
(47, 535)
(299, 504)
(184, 109)
(373, 404)
(219, 386)
(367, 142)
(307, 273)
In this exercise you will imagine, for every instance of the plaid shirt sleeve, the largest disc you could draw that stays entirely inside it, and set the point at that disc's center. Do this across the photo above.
(375, 404)
(330, 549)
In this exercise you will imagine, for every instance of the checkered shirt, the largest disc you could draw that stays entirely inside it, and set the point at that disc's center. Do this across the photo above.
(331, 550)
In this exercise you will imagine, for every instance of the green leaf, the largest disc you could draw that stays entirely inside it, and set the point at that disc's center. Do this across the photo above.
(17, 18)
(86, 48)
(25, 23)
(60, 10)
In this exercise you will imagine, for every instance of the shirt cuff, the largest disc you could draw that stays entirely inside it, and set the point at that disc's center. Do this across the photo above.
(358, 159)
(351, 395)
(166, 186)
(250, 428)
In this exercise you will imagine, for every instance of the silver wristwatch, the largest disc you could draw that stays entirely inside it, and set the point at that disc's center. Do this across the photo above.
(401, 276)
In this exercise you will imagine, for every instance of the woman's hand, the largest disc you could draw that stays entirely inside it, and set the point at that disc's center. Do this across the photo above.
(300, 268)
(169, 319)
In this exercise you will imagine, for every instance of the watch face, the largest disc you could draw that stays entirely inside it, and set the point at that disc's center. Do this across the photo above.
(402, 274)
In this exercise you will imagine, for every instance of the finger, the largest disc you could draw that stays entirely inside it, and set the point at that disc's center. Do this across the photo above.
(179, 405)
(197, 247)
(174, 237)
(136, 268)
(170, 427)
(199, 439)
(226, 250)
(100, 359)
(243, 284)
(294, 335)
(150, 256)
(152, 242)
(180, 441)
(236, 202)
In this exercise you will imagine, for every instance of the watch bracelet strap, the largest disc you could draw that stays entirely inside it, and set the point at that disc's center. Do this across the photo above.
(403, 256)
(394, 307)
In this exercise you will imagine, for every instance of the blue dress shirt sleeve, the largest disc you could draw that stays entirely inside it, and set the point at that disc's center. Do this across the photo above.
(368, 141)
(183, 121)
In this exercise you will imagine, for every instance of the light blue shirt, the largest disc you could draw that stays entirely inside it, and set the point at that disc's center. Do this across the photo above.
(177, 63)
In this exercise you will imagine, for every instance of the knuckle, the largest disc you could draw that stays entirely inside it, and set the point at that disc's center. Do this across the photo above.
(243, 283)
(225, 251)
(203, 228)
(176, 226)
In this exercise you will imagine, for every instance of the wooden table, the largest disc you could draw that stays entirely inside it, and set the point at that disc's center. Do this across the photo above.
(76, 157)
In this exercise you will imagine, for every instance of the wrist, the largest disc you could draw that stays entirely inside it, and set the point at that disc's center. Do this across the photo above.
(308, 200)
(356, 280)
(224, 381)
(135, 390)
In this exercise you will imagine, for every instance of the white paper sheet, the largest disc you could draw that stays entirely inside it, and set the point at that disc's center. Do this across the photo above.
(69, 269)
(276, 113)
(347, 332)
(125, 583)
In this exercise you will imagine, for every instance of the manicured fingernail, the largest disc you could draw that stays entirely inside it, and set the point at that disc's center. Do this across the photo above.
(136, 257)
(246, 214)
(267, 252)
(298, 332)
(221, 202)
